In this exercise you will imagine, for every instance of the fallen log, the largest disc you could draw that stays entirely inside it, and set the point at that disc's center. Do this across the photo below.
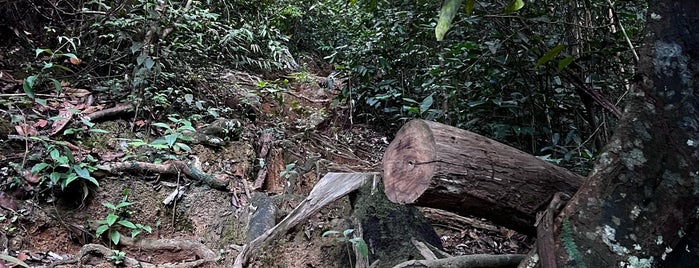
(435, 165)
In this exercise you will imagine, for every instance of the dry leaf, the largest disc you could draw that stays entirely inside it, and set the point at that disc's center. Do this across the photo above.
(75, 61)
(30, 178)
(58, 125)
(76, 92)
(41, 123)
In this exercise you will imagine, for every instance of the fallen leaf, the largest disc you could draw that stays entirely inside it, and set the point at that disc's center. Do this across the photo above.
(41, 123)
(30, 178)
(75, 61)
(58, 125)
(76, 92)
(7, 201)
(21, 256)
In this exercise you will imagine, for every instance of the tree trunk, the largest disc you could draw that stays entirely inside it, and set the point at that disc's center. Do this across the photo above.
(641, 199)
(435, 165)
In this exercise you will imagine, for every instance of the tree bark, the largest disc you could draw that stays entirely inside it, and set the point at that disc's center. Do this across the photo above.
(435, 165)
(641, 199)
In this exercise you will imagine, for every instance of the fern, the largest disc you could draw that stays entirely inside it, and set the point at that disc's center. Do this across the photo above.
(569, 244)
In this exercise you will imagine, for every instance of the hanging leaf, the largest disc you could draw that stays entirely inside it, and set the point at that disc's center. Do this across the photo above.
(549, 55)
(564, 63)
(469, 6)
(426, 103)
(28, 86)
(446, 15)
(514, 6)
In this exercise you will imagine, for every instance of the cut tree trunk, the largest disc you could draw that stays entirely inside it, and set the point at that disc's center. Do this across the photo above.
(436, 165)
(388, 228)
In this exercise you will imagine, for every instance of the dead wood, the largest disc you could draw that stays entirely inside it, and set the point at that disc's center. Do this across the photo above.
(467, 261)
(440, 166)
(265, 142)
(457, 222)
(331, 187)
(545, 233)
(172, 167)
(121, 108)
(89, 252)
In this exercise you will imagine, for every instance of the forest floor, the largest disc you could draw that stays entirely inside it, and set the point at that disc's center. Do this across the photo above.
(285, 140)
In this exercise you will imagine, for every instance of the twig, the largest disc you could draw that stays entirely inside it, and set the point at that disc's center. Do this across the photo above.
(623, 31)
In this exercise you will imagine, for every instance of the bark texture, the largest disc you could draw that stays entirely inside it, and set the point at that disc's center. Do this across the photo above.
(641, 199)
(436, 165)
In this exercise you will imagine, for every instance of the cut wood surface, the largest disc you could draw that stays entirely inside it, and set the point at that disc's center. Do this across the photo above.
(435, 165)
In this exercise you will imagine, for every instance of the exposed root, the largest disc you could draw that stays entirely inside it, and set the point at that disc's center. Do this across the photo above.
(94, 254)
(192, 170)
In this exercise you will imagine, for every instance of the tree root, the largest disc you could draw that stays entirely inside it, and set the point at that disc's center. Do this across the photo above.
(192, 170)
(93, 254)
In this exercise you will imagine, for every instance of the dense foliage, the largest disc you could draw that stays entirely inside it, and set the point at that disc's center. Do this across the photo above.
(516, 76)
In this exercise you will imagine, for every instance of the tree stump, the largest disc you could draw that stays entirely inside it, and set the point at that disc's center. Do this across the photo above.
(439, 166)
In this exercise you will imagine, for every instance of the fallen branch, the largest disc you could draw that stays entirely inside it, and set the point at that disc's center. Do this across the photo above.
(116, 110)
(203, 254)
(265, 142)
(172, 167)
(331, 187)
(467, 261)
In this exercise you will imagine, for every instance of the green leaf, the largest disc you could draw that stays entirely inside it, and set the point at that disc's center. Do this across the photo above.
(171, 139)
(83, 173)
(101, 229)
(549, 55)
(97, 130)
(347, 232)
(71, 177)
(109, 206)
(92, 180)
(123, 204)
(88, 123)
(469, 6)
(70, 55)
(140, 60)
(127, 224)
(28, 86)
(361, 246)
(38, 51)
(564, 63)
(446, 16)
(111, 219)
(147, 229)
(162, 125)
(184, 147)
(149, 63)
(54, 177)
(514, 6)
(135, 47)
(188, 98)
(426, 103)
(135, 232)
(57, 85)
(40, 101)
(55, 154)
(114, 236)
(330, 232)
(39, 167)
